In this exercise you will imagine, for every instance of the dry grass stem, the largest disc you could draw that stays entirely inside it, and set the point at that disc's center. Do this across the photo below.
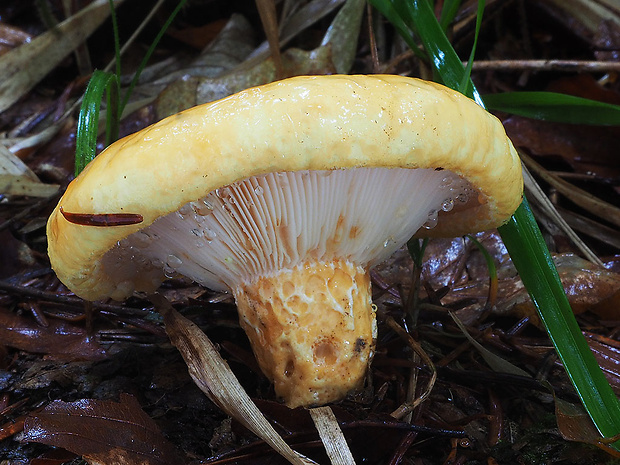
(536, 193)
(576, 195)
(267, 11)
(135, 34)
(213, 376)
(331, 435)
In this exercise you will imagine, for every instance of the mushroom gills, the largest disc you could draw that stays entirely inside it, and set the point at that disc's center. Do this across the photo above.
(295, 249)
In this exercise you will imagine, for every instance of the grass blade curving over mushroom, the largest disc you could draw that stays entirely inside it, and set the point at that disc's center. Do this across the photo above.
(103, 82)
(521, 234)
(88, 119)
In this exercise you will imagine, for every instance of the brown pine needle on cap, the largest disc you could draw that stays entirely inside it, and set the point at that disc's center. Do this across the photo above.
(285, 195)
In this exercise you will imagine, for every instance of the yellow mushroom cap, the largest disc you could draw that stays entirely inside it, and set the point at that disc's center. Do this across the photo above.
(355, 138)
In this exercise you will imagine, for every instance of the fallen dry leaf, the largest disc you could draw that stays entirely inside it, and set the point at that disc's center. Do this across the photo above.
(294, 61)
(11, 37)
(103, 432)
(60, 340)
(17, 179)
(456, 266)
(607, 353)
(575, 424)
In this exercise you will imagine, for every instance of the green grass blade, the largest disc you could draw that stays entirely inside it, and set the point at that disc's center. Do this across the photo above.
(488, 258)
(443, 57)
(531, 257)
(470, 62)
(388, 10)
(416, 248)
(552, 106)
(100, 83)
(117, 41)
(88, 119)
(448, 12)
(147, 56)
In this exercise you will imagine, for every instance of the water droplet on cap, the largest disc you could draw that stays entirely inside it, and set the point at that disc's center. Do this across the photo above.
(141, 239)
(185, 210)
(169, 272)
(222, 192)
(173, 261)
(447, 205)
(431, 222)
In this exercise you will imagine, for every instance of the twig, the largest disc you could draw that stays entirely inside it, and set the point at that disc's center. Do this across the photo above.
(138, 30)
(28, 211)
(407, 407)
(546, 65)
(65, 299)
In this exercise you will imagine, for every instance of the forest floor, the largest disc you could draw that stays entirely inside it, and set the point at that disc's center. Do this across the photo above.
(61, 357)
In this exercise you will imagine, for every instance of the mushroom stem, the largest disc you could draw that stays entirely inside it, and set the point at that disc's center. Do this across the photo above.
(312, 329)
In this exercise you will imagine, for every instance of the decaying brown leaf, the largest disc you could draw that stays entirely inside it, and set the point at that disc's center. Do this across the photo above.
(59, 339)
(575, 424)
(11, 37)
(103, 432)
(457, 267)
(607, 353)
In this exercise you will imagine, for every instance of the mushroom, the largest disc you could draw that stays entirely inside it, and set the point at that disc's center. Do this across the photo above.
(285, 195)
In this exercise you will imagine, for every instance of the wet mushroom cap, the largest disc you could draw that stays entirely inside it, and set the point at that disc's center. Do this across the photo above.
(286, 194)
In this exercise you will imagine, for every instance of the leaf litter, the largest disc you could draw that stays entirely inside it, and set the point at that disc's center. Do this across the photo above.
(102, 432)
(61, 360)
